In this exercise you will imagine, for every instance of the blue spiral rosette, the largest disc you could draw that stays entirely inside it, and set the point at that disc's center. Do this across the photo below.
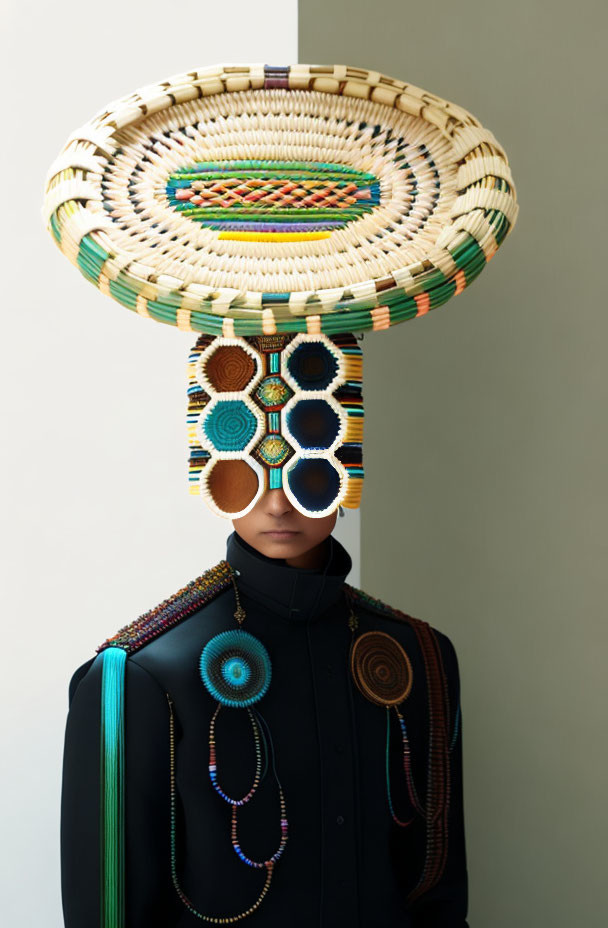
(235, 668)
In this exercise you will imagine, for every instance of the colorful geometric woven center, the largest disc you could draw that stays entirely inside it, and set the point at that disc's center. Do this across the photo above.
(276, 197)
(273, 450)
(273, 392)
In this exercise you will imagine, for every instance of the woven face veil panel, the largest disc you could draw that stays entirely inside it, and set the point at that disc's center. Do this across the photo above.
(276, 411)
(298, 201)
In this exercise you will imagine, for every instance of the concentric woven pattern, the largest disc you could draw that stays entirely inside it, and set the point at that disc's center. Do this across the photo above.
(255, 199)
(381, 668)
(235, 668)
(270, 411)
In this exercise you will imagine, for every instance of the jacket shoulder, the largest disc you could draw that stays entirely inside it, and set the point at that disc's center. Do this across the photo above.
(437, 648)
(362, 600)
(77, 676)
(171, 611)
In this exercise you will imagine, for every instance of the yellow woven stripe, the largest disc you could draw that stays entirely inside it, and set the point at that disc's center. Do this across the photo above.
(354, 429)
(353, 367)
(274, 236)
(354, 489)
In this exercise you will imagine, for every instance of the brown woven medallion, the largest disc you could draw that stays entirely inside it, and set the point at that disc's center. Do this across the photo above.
(381, 668)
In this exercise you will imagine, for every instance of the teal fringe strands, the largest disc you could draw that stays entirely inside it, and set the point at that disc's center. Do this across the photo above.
(112, 788)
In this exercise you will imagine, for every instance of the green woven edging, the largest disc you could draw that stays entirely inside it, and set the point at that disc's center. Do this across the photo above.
(55, 229)
(347, 315)
(121, 292)
(112, 799)
(91, 258)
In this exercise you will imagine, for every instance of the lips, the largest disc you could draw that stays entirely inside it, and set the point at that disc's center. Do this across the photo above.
(281, 532)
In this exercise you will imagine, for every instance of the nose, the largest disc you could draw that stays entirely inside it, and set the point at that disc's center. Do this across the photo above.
(276, 502)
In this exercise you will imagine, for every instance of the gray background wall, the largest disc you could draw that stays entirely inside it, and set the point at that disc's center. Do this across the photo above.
(484, 508)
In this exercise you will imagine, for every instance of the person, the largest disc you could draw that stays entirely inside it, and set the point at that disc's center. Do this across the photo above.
(271, 744)
(333, 799)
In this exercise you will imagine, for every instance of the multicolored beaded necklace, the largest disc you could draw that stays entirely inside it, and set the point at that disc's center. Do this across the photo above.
(440, 747)
(383, 673)
(236, 670)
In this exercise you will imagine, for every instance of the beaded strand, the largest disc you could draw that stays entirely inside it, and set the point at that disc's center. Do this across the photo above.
(260, 738)
(438, 766)
(407, 766)
(213, 763)
(383, 673)
(203, 589)
(214, 919)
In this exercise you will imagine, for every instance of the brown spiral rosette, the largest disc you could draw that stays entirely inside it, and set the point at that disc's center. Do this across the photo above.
(381, 668)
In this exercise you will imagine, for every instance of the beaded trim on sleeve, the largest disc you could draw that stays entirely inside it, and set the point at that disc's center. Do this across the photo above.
(438, 776)
(171, 611)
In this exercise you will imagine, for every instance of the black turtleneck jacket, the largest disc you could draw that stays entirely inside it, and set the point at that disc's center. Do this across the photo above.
(346, 863)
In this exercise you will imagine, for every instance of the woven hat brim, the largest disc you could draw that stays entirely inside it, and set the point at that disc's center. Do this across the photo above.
(444, 216)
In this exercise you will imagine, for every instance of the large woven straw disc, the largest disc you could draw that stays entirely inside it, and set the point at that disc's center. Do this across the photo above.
(252, 199)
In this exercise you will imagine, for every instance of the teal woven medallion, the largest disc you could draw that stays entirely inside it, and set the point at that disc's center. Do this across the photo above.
(235, 668)
(230, 425)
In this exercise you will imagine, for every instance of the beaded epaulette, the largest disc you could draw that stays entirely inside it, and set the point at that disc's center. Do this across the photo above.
(171, 611)
(438, 783)
(378, 605)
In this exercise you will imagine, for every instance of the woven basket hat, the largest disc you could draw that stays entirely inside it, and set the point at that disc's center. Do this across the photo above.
(275, 208)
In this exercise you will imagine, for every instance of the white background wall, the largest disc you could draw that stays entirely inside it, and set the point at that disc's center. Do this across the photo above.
(98, 525)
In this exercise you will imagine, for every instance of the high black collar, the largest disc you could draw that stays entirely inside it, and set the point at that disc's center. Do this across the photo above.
(296, 593)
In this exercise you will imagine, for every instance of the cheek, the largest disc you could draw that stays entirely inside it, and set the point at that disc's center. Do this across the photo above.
(318, 529)
(245, 526)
